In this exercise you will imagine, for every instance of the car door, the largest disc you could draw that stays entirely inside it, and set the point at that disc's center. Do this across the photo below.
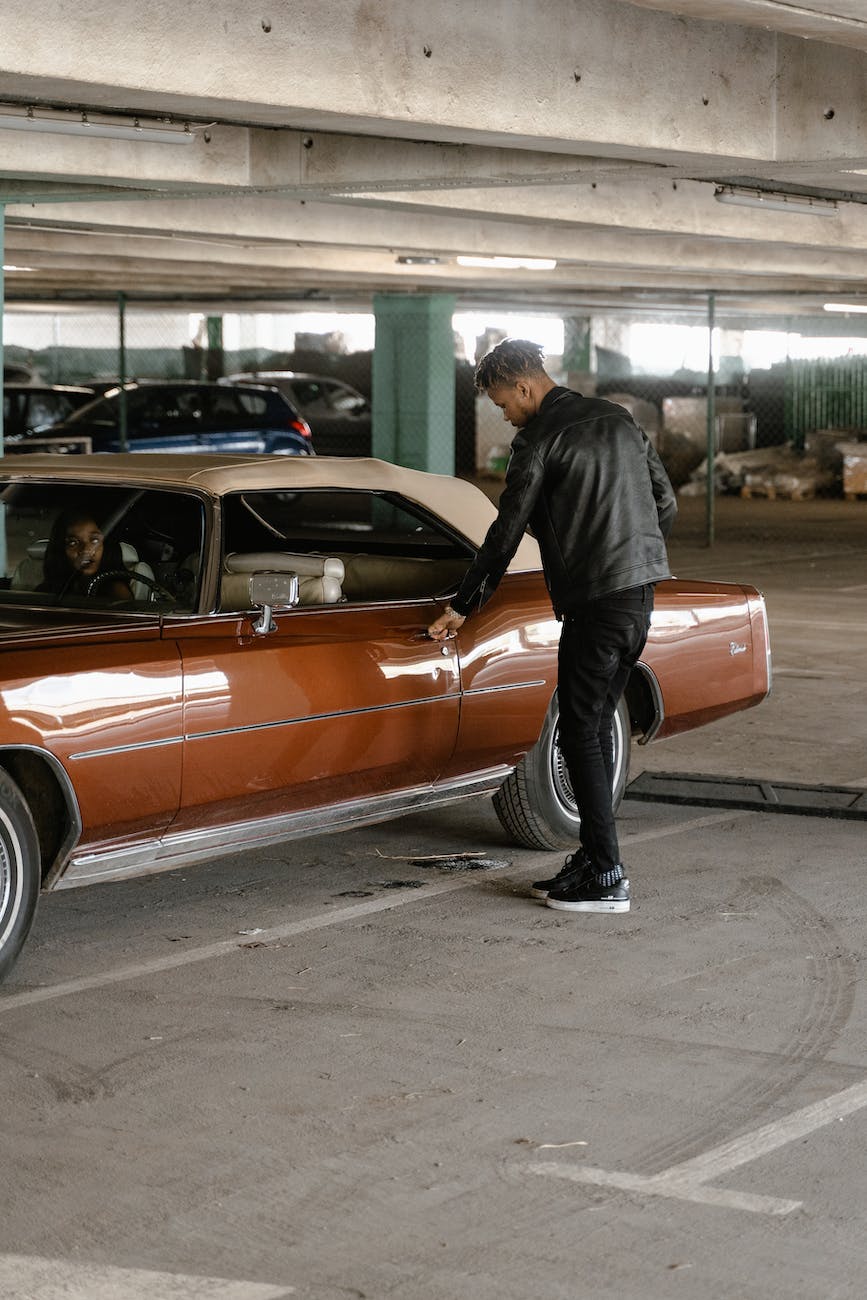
(232, 421)
(158, 418)
(336, 704)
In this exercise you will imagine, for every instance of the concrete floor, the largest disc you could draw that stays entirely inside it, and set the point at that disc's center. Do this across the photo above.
(328, 1072)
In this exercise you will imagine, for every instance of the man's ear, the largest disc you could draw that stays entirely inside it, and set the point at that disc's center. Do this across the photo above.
(523, 388)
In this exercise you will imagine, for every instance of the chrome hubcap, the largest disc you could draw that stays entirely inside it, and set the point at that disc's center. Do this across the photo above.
(5, 882)
(560, 775)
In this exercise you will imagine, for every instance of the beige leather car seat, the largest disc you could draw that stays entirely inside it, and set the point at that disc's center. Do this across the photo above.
(319, 576)
(398, 577)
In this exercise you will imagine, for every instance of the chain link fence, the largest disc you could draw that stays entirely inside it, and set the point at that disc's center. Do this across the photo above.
(782, 408)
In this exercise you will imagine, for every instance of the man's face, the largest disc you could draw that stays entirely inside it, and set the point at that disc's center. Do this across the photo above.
(515, 401)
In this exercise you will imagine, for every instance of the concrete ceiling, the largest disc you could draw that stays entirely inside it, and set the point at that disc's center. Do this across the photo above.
(347, 148)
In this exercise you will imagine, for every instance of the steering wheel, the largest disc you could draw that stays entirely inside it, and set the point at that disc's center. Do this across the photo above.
(125, 575)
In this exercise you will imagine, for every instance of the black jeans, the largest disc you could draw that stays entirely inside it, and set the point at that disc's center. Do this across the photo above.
(599, 646)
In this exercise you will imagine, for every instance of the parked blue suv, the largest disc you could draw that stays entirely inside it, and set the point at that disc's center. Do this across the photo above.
(186, 416)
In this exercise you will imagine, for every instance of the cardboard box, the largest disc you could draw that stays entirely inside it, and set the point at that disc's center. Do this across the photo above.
(854, 468)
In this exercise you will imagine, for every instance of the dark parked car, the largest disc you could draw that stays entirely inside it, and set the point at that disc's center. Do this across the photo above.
(191, 416)
(337, 413)
(30, 409)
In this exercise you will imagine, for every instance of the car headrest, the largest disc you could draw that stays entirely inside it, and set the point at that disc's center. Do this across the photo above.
(306, 566)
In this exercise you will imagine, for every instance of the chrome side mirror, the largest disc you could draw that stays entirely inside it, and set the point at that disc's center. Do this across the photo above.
(268, 590)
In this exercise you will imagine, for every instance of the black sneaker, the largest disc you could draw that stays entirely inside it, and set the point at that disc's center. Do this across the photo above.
(573, 871)
(588, 895)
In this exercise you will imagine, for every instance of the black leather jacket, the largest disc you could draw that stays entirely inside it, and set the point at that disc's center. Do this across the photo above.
(586, 480)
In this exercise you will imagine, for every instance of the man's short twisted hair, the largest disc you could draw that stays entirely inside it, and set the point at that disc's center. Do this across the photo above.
(509, 361)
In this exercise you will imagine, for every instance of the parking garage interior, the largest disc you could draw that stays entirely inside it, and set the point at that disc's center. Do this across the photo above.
(366, 1064)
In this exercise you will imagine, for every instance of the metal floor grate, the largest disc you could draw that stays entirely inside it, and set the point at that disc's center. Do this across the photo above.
(749, 792)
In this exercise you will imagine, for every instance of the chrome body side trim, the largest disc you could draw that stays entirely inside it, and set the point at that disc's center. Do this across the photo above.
(323, 717)
(500, 690)
(126, 749)
(278, 722)
(184, 849)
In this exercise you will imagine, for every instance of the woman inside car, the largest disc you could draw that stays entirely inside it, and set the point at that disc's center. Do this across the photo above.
(77, 553)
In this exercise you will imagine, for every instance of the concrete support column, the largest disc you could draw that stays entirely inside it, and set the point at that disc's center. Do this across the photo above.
(414, 381)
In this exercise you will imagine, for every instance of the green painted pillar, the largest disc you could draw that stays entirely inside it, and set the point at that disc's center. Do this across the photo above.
(576, 343)
(414, 381)
(214, 355)
(577, 350)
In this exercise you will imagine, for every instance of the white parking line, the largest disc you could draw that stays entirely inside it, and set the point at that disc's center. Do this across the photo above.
(225, 947)
(24, 1277)
(334, 916)
(686, 1181)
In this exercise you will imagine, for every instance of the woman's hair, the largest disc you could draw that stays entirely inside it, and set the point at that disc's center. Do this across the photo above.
(57, 570)
(509, 361)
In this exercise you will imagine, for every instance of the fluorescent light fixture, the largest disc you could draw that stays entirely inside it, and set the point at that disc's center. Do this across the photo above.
(53, 122)
(18, 268)
(845, 306)
(418, 259)
(509, 263)
(751, 198)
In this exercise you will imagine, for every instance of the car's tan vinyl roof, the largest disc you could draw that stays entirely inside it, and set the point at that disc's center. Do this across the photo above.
(461, 504)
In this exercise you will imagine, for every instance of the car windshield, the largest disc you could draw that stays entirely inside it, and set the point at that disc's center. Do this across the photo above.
(85, 546)
(102, 411)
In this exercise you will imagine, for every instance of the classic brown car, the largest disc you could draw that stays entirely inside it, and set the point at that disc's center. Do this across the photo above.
(204, 653)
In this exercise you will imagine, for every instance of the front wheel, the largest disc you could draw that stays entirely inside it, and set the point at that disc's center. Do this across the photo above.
(535, 803)
(19, 871)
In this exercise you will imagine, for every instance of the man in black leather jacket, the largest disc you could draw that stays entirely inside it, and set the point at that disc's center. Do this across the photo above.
(585, 478)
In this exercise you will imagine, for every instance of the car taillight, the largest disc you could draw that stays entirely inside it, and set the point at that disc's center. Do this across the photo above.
(302, 427)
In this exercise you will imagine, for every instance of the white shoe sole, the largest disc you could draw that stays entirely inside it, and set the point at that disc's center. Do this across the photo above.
(598, 905)
(538, 893)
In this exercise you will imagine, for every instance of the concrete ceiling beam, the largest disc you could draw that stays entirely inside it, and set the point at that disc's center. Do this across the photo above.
(588, 72)
(810, 19)
(284, 224)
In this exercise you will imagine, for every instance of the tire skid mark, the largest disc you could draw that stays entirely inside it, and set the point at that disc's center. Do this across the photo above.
(818, 1024)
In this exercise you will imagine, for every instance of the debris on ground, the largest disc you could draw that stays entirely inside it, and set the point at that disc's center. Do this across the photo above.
(463, 862)
(765, 472)
(449, 861)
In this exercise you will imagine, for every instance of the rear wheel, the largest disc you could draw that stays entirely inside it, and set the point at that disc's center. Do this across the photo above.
(19, 872)
(536, 804)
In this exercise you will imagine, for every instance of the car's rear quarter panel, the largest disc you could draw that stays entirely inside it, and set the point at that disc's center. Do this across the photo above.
(708, 650)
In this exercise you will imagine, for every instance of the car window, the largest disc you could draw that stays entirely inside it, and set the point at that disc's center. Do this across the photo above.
(13, 404)
(343, 399)
(250, 402)
(45, 408)
(310, 395)
(391, 548)
(78, 545)
(165, 407)
(103, 411)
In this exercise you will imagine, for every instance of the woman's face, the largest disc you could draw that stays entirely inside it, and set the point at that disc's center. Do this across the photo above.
(84, 545)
